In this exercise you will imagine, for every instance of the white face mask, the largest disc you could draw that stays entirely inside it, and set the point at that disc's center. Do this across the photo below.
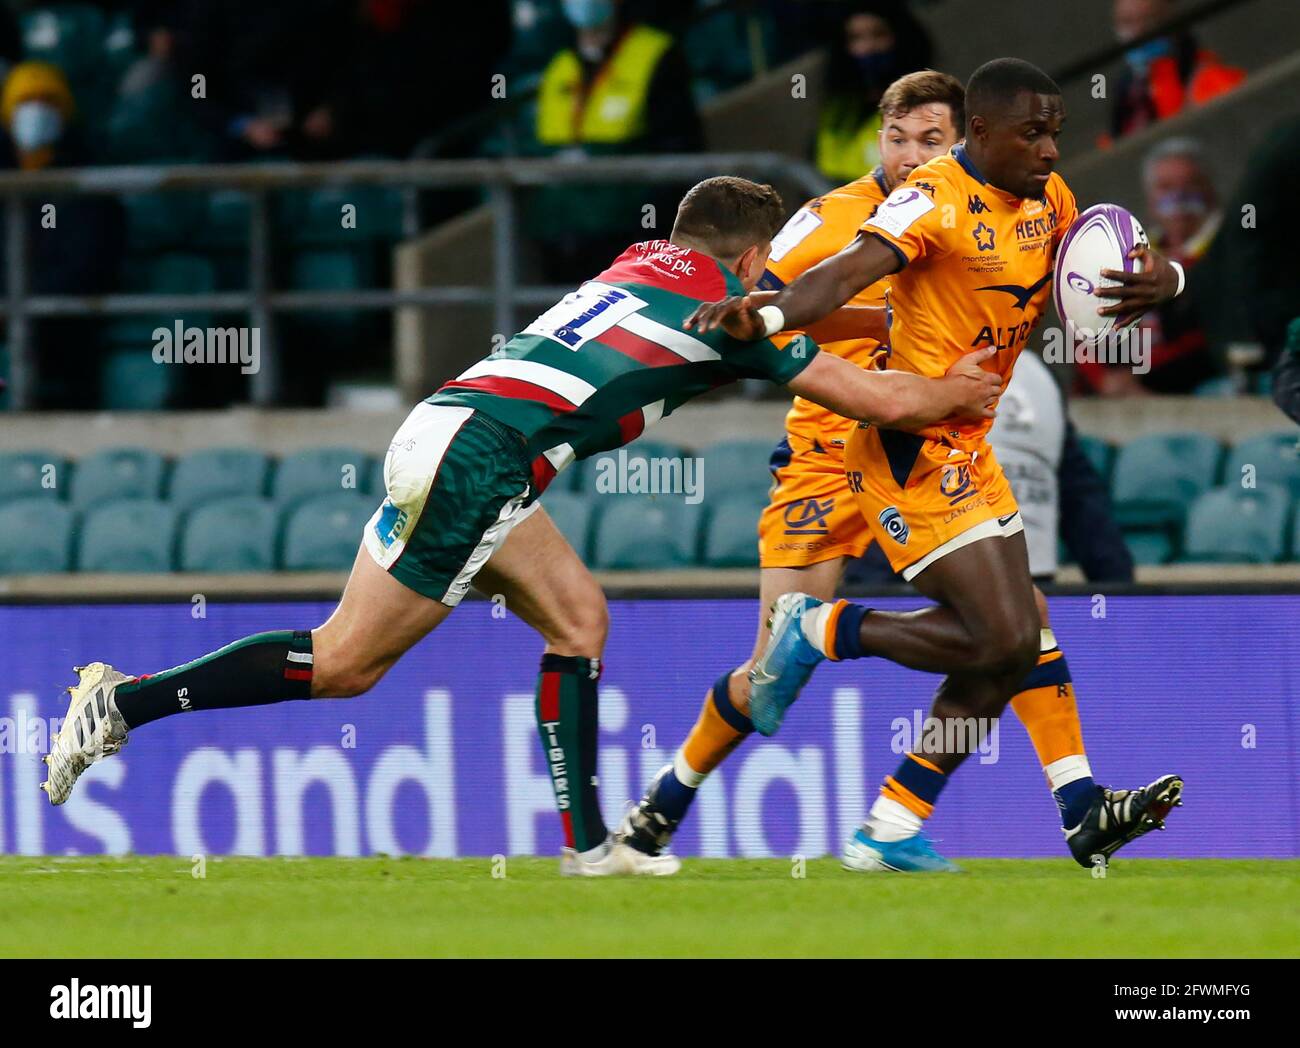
(36, 125)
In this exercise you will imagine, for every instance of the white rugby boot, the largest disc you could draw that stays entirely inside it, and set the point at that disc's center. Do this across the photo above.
(617, 859)
(92, 730)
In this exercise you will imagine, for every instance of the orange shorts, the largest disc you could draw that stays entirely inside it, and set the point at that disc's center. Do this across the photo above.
(811, 516)
(924, 499)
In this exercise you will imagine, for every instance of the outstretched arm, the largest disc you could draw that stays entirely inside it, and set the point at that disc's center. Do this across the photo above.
(818, 292)
(898, 399)
(847, 322)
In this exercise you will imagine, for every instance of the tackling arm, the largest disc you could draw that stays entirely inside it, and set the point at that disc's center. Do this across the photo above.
(816, 293)
(898, 399)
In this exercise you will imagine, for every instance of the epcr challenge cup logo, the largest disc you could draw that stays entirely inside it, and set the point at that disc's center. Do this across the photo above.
(894, 524)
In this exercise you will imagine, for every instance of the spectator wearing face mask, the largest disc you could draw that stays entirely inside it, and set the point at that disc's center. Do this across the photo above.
(1163, 75)
(1184, 216)
(878, 42)
(620, 87)
(74, 243)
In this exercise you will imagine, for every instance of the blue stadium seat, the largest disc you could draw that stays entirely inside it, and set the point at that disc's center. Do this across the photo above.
(737, 466)
(36, 471)
(321, 471)
(1155, 546)
(117, 473)
(647, 533)
(1274, 456)
(70, 36)
(1100, 453)
(35, 537)
(323, 533)
(1157, 477)
(315, 217)
(132, 379)
(731, 535)
(159, 221)
(136, 536)
(226, 219)
(1232, 524)
(205, 475)
(573, 514)
(231, 535)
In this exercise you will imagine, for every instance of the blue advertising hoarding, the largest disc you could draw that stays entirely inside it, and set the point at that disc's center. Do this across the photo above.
(442, 757)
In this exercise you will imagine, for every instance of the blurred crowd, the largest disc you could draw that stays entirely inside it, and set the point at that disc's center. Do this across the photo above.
(149, 81)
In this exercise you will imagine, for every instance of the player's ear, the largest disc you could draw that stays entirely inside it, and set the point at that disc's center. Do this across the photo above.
(752, 263)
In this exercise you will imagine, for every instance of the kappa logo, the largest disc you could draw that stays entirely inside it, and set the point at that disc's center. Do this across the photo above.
(808, 516)
(894, 524)
(975, 205)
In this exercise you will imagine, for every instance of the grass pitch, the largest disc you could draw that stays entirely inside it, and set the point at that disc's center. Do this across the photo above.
(381, 907)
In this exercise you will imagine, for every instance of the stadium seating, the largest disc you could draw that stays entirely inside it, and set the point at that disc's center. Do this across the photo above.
(236, 534)
(34, 472)
(322, 471)
(1233, 524)
(135, 536)
(737, 466)
(599, 475)
(35, 537)
(304, 519)
(1157, 477)
(731, 535)
(323, 533)
(1275, 458)
(206, 475)
(643, 533)
(117, 473)
(573, 515)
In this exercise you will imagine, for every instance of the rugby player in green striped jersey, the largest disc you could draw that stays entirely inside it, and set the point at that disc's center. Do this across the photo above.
(462, 477)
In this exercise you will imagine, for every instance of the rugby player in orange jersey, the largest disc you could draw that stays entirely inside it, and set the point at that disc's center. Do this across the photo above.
(970, 239)
(811, 526)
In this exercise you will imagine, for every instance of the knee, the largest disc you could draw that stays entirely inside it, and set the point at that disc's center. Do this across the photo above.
(1044, 619)
(339, 673)
(584, 629)
(1011, 650)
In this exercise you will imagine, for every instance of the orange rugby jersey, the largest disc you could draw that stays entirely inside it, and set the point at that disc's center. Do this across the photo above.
(978, 271)
(818, 230)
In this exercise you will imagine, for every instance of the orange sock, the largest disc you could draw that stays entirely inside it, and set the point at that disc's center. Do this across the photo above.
(719, 730)
(1046, 707)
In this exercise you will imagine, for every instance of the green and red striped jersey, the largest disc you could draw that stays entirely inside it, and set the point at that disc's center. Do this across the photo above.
(611, 359)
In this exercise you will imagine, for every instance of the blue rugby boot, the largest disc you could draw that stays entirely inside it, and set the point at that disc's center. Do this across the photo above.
(910, 855)
(786, 663)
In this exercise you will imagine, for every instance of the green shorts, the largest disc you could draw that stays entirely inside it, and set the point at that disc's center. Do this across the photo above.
(457, 482)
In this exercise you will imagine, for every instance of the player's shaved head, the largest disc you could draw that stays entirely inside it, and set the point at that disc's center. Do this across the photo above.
(1014, 114)
(993, 88)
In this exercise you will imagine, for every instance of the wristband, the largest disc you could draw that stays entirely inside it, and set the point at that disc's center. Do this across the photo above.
(773, 320)
(1182, 277)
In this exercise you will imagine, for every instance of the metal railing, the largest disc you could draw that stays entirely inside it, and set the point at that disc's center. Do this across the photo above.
(502, 179)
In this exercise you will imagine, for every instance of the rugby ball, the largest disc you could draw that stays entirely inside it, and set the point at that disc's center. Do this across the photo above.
(1100, 238)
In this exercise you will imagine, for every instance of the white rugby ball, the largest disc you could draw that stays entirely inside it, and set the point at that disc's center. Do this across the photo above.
(1100, 238)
